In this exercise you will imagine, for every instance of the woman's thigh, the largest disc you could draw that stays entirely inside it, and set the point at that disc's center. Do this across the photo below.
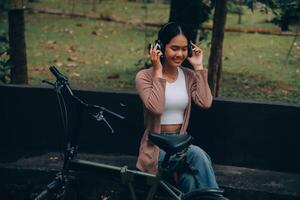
(195, 154)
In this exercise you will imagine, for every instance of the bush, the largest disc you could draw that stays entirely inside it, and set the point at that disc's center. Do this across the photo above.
(4, 58)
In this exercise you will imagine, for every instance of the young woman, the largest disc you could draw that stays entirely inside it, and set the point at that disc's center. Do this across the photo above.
(167, 90)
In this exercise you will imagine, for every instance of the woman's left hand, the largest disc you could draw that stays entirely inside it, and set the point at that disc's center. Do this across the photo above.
(197, 59)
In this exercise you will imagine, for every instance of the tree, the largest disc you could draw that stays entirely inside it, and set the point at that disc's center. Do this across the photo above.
(191, 13)
(287, 12)
(216, 51)
(17, 47)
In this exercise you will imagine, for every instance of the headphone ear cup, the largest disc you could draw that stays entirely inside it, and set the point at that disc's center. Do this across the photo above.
(160, 46)
(190, 49)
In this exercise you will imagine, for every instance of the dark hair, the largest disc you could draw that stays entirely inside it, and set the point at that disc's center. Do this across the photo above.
(169, 31)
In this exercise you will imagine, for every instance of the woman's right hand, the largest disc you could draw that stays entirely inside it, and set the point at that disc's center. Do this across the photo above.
(155, 54)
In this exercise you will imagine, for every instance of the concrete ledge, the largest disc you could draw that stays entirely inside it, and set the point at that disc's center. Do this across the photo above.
(256, 135)
(28, 175)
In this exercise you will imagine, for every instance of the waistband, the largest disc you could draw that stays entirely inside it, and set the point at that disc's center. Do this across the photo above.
(168, 133)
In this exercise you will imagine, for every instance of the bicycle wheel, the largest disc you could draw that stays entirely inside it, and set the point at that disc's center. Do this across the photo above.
(204, 194)
(70, 190)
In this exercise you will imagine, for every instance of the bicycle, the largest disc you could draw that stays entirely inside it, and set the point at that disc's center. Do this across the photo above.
(61, 186)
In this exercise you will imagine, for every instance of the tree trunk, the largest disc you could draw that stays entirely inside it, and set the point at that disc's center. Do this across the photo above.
(240, 10)
(17, 46)
(72, 6)
(215, 58)
(94, 5)
(190, 13)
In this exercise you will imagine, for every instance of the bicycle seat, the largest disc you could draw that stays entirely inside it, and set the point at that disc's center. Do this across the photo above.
(171, 143)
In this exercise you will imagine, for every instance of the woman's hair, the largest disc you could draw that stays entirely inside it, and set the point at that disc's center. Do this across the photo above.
(169, 31)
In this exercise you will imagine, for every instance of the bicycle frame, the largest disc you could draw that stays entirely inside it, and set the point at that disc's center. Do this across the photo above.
(128, 177)
(71, 163)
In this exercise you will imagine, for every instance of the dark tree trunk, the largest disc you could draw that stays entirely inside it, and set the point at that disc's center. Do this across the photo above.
(240, 10)
(94, 5)
(17, 46)
(191, 13)
(215, 58)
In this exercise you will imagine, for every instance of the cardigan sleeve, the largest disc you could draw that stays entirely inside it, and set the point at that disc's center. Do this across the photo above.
(201, 93)
(151, 91)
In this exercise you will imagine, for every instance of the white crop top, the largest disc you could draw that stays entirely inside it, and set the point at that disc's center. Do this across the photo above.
(176, 101)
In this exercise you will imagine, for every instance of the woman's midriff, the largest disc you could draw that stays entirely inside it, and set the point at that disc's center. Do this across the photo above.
(170, 128)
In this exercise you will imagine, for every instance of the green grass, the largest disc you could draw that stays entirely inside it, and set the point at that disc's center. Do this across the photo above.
(93, 53)
(118, 9)
(106, 55)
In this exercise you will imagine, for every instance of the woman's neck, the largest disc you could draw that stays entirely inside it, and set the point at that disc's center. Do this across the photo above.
(170, 73)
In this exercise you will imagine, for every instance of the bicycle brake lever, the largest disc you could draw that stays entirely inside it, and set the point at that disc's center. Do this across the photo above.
(106, 110)
(111, 129)
(99, 117)
(48, 82)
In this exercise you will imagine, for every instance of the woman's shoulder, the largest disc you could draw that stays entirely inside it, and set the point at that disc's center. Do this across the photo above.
(144, 73)
(191, 73)
(187, 71)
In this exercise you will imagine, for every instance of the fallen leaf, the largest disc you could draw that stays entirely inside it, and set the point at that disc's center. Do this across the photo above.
(113, 76)
(72, 64)
(67, 30)
(51, 42)
(95, 33)
(73, 58)
(71, 49)
(75, 74)
(59, 64)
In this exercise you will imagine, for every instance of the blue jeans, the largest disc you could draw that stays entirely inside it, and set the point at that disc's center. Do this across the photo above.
(202, 174)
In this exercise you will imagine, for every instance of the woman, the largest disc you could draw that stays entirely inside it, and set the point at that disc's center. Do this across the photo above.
(166, 90)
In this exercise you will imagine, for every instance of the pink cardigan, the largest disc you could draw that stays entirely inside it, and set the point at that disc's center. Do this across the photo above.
(152, 92)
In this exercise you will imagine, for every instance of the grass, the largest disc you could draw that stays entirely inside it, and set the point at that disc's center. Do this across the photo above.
(106, 55)
(83, 49)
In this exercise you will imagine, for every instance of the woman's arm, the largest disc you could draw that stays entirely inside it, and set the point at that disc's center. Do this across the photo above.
(201, 93)
(152, 91)
(200, 90)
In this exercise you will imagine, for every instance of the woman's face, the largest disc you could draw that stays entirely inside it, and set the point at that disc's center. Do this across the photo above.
(176, 51)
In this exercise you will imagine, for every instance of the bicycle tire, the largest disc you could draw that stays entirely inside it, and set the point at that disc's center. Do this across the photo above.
(203, 195)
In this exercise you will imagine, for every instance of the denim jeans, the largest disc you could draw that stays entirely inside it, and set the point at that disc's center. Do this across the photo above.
(202, 174)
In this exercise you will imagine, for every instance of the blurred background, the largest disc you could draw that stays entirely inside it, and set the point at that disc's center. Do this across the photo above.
(101, 44)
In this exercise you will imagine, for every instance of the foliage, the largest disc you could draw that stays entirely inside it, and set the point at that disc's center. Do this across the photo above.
(102, 55)
(286, 12)
(4, 58)
(4, 5)
(192, 13)
(234, 7)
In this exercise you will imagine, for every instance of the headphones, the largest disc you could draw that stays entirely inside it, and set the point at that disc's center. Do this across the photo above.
(161, 46)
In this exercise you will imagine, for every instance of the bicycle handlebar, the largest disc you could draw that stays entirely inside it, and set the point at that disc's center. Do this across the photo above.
(63, 80)
(59, 76)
